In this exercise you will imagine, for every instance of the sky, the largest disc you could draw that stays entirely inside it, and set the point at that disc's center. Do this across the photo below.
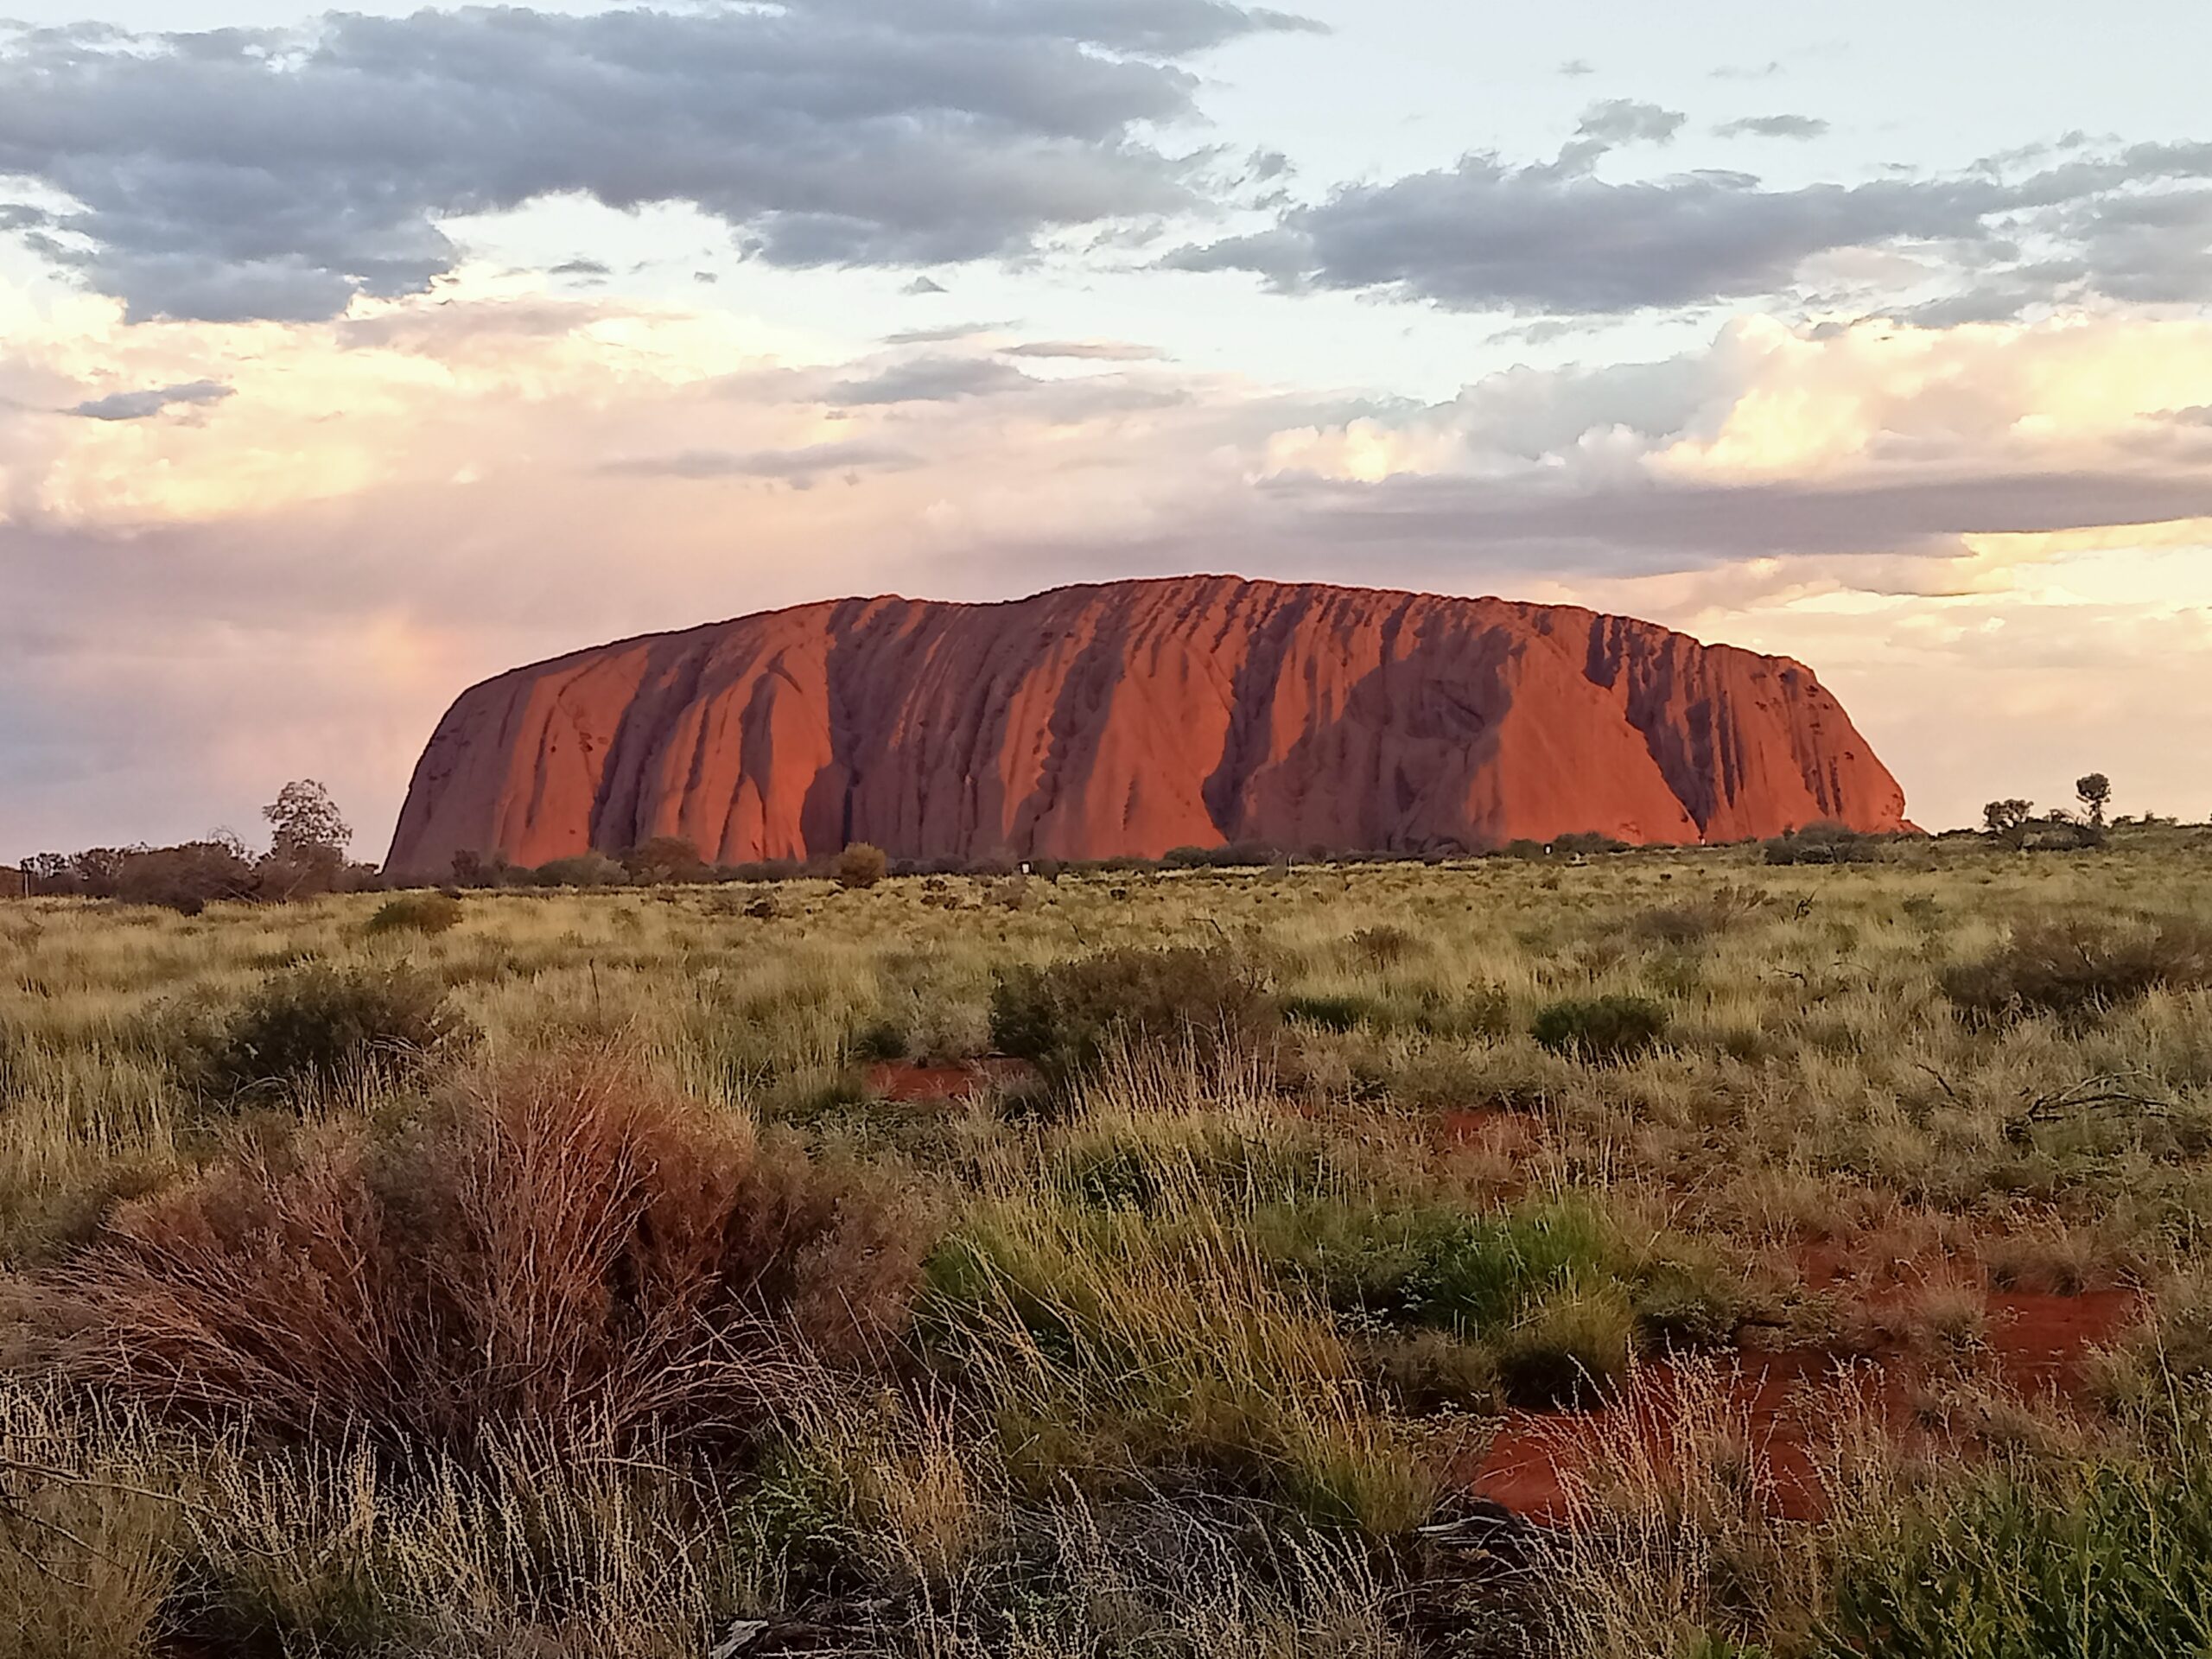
(348, 359)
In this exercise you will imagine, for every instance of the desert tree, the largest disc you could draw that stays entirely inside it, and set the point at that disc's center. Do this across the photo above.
(2094, 792)
(304, 819)
(308, 840)
(2007, 820)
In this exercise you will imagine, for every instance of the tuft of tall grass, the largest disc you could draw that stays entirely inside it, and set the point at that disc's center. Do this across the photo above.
(2107, 1558)
(1124, 1346)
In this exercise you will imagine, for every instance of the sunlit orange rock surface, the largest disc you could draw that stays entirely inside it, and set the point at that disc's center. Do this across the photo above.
(1137, 716)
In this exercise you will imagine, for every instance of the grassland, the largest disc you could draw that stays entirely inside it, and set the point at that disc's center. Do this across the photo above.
(1814, 1257)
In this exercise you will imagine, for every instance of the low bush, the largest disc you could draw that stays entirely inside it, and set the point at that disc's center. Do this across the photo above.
(1238, 856)
(549, 1250)
(1822, 843)
(186, 879)
(1329, 1010)
(585, 870)
(1066, 1017)
(666, 859)
(417, 913)
(1568, 1350)
(2075, 967)
(1604, 1029)
(861, 866)
(1434, 1266)
(1580, 843)
(318, 1027)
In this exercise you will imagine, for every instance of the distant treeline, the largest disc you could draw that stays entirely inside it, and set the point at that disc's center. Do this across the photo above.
(187, 877)
(307, 860)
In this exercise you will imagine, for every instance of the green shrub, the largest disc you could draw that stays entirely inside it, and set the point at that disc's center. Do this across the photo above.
(1687, 1305)
(666, 859)
(1329, 1012)
(1064, 1017)
(417, 913)
(317, 1026)
(1822, 843)
(1424, 1373)
(1568, 1349)
(585, 870)
(881, 1040)
(861, 866)
(2074, 967)
(1603, 1029)
(2105, 1562)
(1433, 1265)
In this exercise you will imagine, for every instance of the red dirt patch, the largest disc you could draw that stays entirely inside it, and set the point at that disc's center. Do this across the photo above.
(905, 1082)
(1526, 1465)
(2041, 1339)
(1494, 1129)
(2037, 1343)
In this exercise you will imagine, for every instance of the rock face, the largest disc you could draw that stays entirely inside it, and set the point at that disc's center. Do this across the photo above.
(1137, 716)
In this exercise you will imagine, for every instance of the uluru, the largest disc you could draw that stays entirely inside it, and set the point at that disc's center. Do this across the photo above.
(1129, 718)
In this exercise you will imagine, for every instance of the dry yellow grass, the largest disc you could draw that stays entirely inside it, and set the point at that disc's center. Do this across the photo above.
(1112, 1329)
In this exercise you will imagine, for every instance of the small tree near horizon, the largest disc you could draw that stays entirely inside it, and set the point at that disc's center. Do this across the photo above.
(2007, 819)
(309, 837)
(2094, 792)
(304, 819)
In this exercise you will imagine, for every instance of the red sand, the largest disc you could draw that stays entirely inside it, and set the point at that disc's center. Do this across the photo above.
(1133, 717)
(2038, 1342)
(905, 1082)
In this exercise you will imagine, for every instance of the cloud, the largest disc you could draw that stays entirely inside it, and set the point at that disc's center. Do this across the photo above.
(144, 405)
(1552, 237)
(580, 267)
(1487, 236)
(277, 173)
(932, 380)
(943, 334)
(432, 490)
(1098, 351)
(1626, 121)
(1772, 127)
(800, 466)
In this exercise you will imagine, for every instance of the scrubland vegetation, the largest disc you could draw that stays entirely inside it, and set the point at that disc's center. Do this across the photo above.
(1758, 1252)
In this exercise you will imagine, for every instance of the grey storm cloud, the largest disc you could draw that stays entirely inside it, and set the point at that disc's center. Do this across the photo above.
(275, 174)
(144, 405)
(800, 466)
(1552, 237)
(1773, 126)
(1626, 121)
